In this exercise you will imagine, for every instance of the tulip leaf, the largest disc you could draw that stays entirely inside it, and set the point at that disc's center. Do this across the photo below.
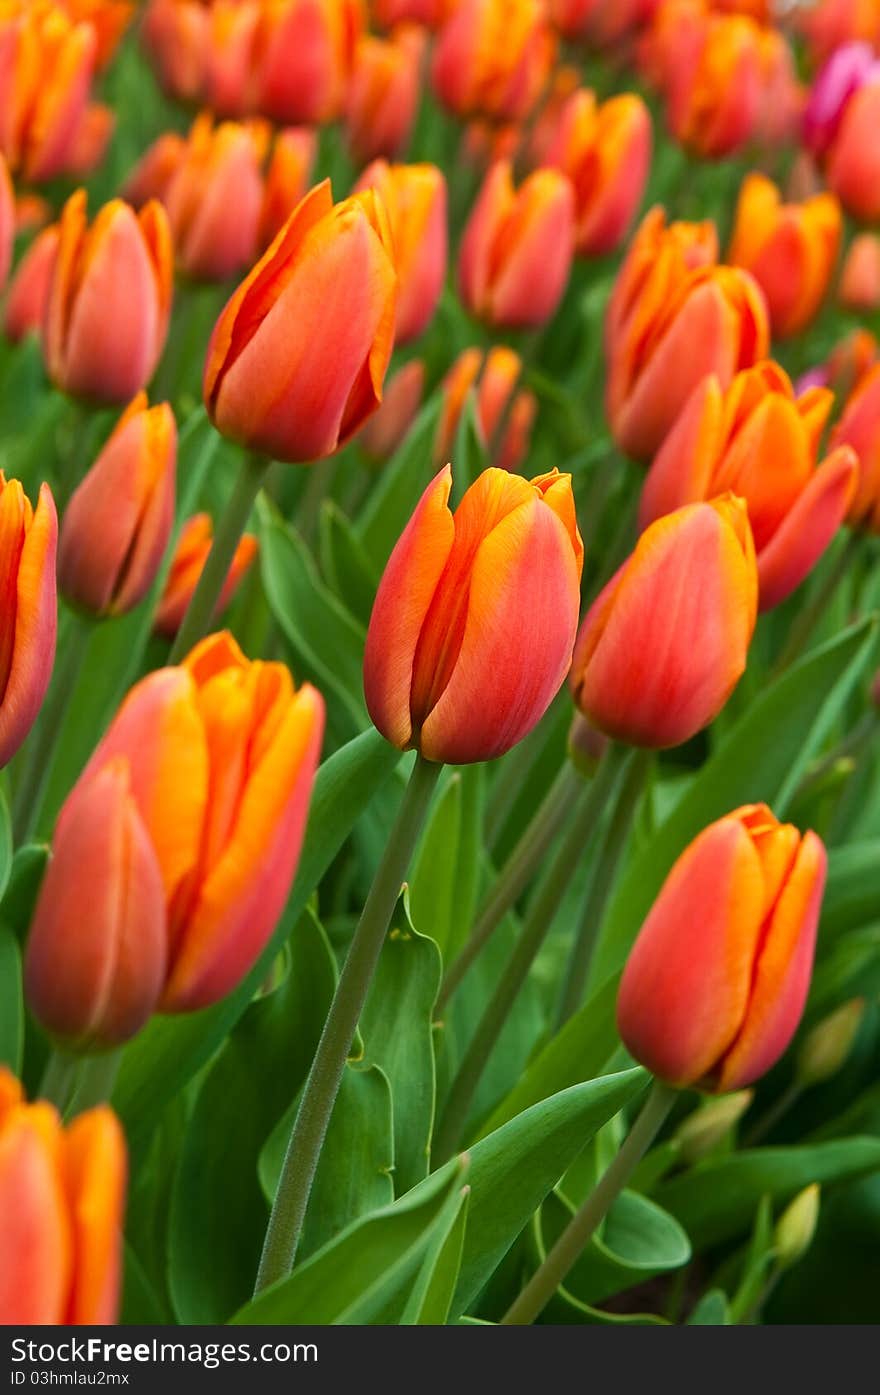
(140, 1304)
(11, 1003)
(345, 564)
(852, 894)
(434, 1289)
(713, 1310)
(716, 1200)
(218, 1212)
(762, 758)
(402, 482)
(366, 1274)
(22, 888)
(397, 1035)
(170, 1050)
(446, 871)
(469, 451)
(5, 843)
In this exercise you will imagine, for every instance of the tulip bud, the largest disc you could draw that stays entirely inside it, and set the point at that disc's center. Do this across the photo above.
(860, 279)
(707, 1127)
(306, 51)
(414, 197)
(28, 616)
(29, 289)
(179, 42)
(796, 1227)
(492, 58)
(663, 646)
(476, 655)
(606, 153)
(853, 168)
(760, 441)
(716, 981)
(517, 247)
(62, 1195)
(712, 85)
(859, 427)
(117, 524)
(790, 249)
(287, 179)
(842, 75)
(194, 545)
(298, 356)
(505, 412)
(388, 428)
(383, 96)
(47, 63)
(124, 260)
(827, 1046)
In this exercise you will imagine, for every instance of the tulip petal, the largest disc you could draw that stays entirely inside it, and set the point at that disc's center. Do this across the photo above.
(682, 469)
(36, 1257)
(33, 653)
(95, 1169)
(808, 527)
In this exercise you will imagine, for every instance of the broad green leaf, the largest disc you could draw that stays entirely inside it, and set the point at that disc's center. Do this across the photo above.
(711, 1311)
(5, 843)
(140, 1306)
(401, 483)
(445, 878)
(170, 1050)
(345, 563)
(434, 1289)
(366, 1274)
(397, 1035)
(762, 758)
(11, 1003)
(218, 1213)
(852, 893)
(716, 1201)
(22, 888)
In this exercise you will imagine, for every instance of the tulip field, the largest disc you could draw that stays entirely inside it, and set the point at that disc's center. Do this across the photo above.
(439, 663)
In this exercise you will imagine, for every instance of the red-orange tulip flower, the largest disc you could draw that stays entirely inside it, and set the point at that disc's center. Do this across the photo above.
(123, 261)
(516, 249)
(859, 427)
(606, 152)
(790, 249)
(663, 646)
(716, 981)
(306, 51)
(859, 287)
(288, 176)
(492, 58)
(298, 356)
(760, 441)
(155, 170)
(414, 197)
(221, 754)
(505, 425)
(668, 326)
(853, 167)
(389, 13)
(28, 615)
(388, 427)
(384, 95)
(475, 616)
(62, 1196)
(196, 539)
(97, 950)
(604, 24)
(29, 288)
(116, 526)
(108, 18)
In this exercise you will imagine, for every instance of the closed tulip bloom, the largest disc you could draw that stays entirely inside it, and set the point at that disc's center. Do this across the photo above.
(859, 427)
(219, 171)
(492, 58)
(665, 643)
(859, 287)
(155, 170)
(471, 632)
(712, 79)
(604, 24)
(123, 260)
(117, 524)
(657, 262)
(28, 616)
(790, 249)
(306, 51)
(782, 96)
(62, 1196)
(384, 94)
(191, 554)
(97, 949)
(606, 152)
(715, 984)
(505, 411)
(29, 289)
(853, 168)
(389, 13)
(177, 35)
(414, 197)
(108, 18)
(46, 66)
(843, 74)
(760, 441)
(388, 428)
(516, 249)
(288, 177)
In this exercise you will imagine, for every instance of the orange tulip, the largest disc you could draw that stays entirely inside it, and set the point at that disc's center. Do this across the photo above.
(505, 425)
(859, 427)
(123, 260)
(62, 1195)
(29, 289)
(389, 13)
(760, 441)
(389, 427)
(298, 356)
(517, 247)
(473, 623)
(155, 170)
(220, 755)
(179, 39)
(97, 951)
(717, 979)
(663, 646)
(492, 58)
(196, 539)
(606, 153)
(287, 178)
(307, 50)
(28, 616)
(782, 97)
(108, 18)
(790, 249)
(860, 279)
(414, 197)
(669, 326)
(117, 524)
(384, 94)
(833, 23)
(604, 24)
(853, 166)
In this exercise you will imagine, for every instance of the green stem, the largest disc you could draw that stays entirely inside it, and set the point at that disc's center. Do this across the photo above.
(628, 797)
(40, 752)
(319, 479)
(580, 1230)
(516, 873)
(59, 1079)
(322, 1086)
(806, 620)
(232, 524)
(96, 1081)
(535, 928)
